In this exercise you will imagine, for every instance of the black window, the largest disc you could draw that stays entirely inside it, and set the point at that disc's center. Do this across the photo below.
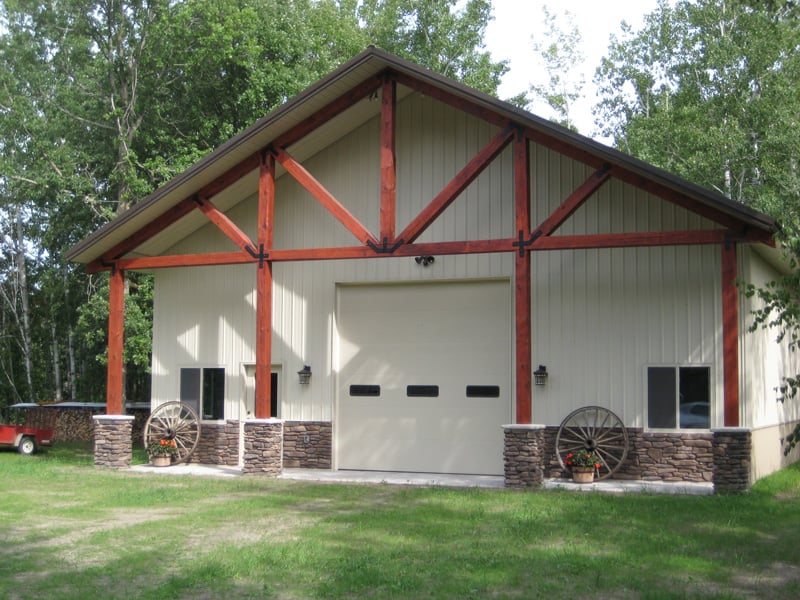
(204, 390)
(679, 397)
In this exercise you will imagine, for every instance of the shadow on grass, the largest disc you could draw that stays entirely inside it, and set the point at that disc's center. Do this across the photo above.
(253, 537)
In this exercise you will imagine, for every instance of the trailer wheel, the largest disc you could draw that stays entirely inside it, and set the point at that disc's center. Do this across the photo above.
(27, 445)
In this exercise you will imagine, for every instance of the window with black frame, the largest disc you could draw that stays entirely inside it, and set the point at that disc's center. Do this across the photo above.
(204, 388)
(679, 397)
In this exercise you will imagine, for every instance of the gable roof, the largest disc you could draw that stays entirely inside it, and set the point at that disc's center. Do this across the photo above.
(366, 65)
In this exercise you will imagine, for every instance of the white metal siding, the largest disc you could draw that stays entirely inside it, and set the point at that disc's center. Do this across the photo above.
(598, 318)
(203, 317)
(764, 361)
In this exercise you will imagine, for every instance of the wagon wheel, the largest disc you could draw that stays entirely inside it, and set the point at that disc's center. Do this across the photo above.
(598, 430)
(174, 421)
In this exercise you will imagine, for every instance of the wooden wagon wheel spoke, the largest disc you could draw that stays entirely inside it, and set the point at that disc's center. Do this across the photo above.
(609, 437)
(158, 428)
(571, 437)
(174, 422)
(598, 430)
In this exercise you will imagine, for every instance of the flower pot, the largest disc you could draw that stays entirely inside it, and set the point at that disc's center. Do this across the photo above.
(161, 461)
(582, 474)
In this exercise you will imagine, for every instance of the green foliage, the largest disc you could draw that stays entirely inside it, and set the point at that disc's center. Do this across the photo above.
(445, 36)
(710, 90)
(102, 101)
(561, 56)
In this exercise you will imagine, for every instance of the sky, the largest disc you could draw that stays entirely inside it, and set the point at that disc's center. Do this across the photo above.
(516, 21)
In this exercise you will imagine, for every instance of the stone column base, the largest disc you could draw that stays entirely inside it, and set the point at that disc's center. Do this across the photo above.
(112, 441)
(263, 450)
(733, 451)
(523, 455)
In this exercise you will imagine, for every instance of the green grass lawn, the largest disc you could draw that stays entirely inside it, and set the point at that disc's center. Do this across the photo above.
(69, 530)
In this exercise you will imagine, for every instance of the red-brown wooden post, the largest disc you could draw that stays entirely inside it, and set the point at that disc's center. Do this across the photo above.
(116, 336)
(730, 335)
(388, 162)
(522, 279)
(266, 212)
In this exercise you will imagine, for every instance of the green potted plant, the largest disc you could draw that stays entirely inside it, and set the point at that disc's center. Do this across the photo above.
(162, 451)
(583, 465)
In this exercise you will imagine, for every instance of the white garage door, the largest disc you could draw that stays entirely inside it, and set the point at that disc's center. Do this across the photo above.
(424, 377)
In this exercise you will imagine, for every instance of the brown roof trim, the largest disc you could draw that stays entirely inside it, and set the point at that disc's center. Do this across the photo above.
(748, 216)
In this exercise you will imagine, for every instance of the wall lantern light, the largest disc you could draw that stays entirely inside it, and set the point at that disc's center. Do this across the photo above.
(305, 375)
(540, 375)
(424, 260)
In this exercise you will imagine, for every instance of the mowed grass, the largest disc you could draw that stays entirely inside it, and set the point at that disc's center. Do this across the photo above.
(70, 530)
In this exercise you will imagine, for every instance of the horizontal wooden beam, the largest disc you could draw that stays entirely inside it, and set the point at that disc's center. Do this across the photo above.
(433, 249)
(457, 185)
(324, 197)
(144, 263)
(226, 225)
(563, 242)
(630, 240)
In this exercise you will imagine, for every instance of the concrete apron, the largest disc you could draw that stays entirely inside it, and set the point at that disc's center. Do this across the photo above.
(611, 486)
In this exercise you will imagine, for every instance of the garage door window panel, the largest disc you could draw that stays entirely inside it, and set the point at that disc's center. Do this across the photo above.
(365, 391)
(422, 391)
(483, 391)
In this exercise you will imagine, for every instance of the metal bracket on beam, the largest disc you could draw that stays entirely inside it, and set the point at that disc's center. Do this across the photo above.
(522, 243)
(260, 255)
(732, 237)
(111, 266)
(385, 248)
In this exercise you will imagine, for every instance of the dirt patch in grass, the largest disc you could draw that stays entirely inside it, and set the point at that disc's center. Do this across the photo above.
(777, 575)
(79, 530)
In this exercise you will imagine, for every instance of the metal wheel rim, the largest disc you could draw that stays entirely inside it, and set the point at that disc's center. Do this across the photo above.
(597, 430)
(174, 421)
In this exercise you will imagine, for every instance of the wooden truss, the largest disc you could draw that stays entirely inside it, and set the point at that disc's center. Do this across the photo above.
(388, 243)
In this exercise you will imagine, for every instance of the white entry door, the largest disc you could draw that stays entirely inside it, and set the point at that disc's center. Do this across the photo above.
(424, 380)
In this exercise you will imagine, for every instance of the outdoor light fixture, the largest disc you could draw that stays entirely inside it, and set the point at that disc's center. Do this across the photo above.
(305, 375)
(424, 260)
(540, 375)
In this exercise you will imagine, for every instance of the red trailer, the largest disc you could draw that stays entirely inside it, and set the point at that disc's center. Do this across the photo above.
(34, 429)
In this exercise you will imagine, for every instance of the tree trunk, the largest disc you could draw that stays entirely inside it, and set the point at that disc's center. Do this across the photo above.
(22, 286)
(56, 361)
(73, 374)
